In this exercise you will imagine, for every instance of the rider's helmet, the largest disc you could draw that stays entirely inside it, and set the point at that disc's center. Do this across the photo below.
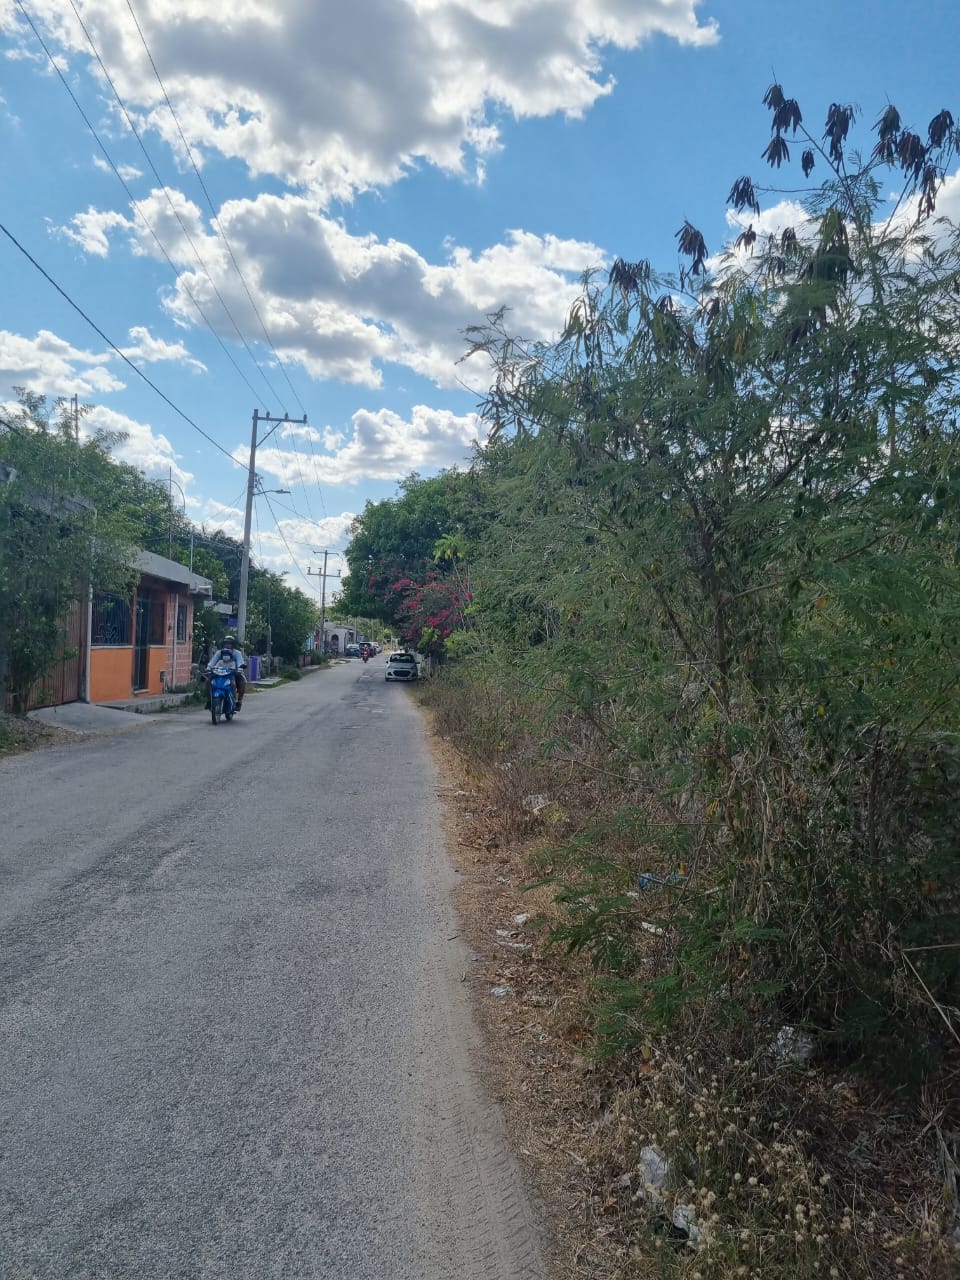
(228, 642)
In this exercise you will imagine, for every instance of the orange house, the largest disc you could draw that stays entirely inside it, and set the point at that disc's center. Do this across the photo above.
(142, 643)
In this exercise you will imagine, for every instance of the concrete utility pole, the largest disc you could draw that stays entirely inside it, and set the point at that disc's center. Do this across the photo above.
(322, 574)
(248, 511)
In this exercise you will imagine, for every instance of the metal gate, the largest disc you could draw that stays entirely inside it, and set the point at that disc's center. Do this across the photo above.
(141, 642)
(64, 681)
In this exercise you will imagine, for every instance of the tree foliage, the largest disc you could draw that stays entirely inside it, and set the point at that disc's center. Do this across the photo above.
(64, 527)
(406, 559)
(725, 554)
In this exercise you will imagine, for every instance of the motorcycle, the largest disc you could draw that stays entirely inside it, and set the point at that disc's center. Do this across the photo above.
(366, 655)
(223, 694)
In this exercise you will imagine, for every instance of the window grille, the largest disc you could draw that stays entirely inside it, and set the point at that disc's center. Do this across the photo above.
(181, 623)
(111, 619)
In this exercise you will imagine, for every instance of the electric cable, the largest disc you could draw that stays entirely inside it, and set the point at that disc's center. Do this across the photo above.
(133, 200)
(110, 343)
(213, 210)
(173, 208)
(232, 256)
(283, 539)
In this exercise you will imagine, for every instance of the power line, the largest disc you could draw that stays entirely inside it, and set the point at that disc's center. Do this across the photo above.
(110, 343)
(133, 200)
(233, 258)
(293, 511)
(166, 193)
(287, 544)
(216, 217)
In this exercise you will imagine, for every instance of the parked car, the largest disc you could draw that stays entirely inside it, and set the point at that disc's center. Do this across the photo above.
(351, 651)
(402, 666)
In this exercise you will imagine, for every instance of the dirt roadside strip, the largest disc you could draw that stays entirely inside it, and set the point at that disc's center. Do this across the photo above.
(534, 1067)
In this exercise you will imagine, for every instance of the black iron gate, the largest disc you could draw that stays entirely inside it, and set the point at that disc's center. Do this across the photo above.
(141, 643)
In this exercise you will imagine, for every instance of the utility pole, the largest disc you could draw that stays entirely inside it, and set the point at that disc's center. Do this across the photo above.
(322, 574)
(170, 501)
(248, 511)
(323, 604)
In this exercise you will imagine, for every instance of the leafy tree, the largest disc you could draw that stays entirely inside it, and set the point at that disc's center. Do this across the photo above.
(726, 554)
(290, 615)
(62, 531)
(408, 558)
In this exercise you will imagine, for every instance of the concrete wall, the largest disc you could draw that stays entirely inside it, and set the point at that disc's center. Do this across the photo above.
(111, 673)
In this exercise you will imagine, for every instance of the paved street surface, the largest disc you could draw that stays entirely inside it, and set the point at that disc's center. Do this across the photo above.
(233, 1037)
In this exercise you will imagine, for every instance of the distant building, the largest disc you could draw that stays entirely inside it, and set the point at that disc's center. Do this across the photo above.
(336, 637)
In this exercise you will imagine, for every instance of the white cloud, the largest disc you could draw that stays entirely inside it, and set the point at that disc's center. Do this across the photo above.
(128, 172)
(50, 366)
(143, 447)
(341, 97)
(90, 230)
(343, 305)
(147, 349)
(382, 446)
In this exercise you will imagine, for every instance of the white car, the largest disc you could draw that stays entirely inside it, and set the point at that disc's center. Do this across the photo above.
(402, 666)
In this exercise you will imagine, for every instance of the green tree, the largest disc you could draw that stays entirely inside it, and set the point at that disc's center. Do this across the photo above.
(290, 615)
(726, 554)
(408, 558)
(63, 531)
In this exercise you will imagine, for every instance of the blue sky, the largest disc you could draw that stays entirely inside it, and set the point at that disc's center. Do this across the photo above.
(385, 172)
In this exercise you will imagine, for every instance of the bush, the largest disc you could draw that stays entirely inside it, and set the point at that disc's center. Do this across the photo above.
(288, 672)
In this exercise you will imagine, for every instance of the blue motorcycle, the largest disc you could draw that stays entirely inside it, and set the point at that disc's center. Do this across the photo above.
(223, 693)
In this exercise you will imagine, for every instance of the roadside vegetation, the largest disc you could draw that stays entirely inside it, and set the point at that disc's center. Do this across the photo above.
(696, 607)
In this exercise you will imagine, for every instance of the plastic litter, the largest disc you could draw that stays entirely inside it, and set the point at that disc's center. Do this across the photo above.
(648, 881)
(794, 1045)
(656, 1170)
(500, 992)
(685, 1219)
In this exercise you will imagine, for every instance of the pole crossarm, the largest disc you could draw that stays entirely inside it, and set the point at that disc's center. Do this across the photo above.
(252, 484)
(324, 574)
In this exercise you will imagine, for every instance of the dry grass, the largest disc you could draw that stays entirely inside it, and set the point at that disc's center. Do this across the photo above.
(788, 1170)
(18, 734)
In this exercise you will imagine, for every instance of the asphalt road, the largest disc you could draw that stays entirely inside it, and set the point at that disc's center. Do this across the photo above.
(233, 1037)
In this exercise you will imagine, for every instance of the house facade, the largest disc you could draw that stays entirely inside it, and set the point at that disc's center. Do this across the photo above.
(142, 643)
(336, 637)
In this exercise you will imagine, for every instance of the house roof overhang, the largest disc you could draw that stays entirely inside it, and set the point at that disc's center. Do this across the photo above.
(178, 575)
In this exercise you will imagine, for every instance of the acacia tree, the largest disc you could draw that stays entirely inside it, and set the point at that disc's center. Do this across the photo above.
(754, 465)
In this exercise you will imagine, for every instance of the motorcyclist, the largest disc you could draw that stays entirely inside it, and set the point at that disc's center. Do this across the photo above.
(229, 655)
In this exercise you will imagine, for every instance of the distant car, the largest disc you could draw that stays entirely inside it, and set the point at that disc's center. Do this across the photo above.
(402, 666)
(351, 651)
